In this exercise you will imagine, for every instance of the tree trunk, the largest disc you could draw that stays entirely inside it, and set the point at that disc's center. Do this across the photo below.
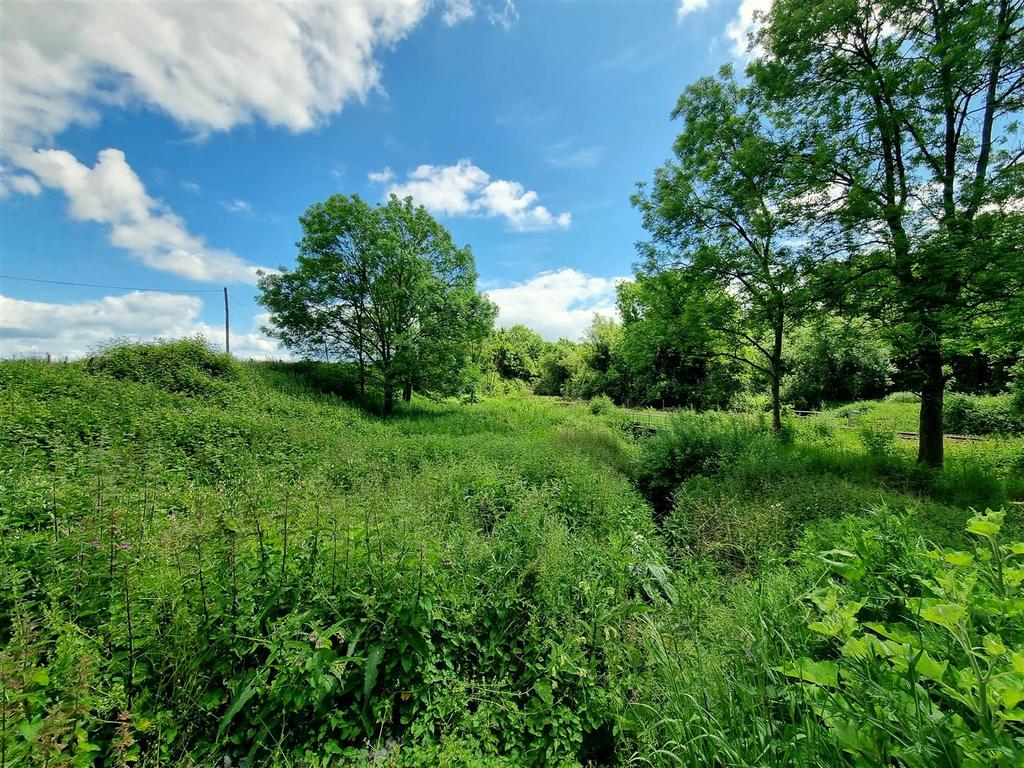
(389, 398)
(776, 365)
(407, 390)
(930, 446)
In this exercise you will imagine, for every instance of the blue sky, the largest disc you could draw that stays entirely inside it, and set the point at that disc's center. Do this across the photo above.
(174, 147)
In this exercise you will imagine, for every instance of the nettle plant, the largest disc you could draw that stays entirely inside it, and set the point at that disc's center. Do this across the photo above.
(923, 663)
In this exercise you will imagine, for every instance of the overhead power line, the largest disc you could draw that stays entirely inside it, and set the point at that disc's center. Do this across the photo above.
(112, 287)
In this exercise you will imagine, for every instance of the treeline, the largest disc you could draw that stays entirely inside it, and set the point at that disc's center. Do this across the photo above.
(645, 361)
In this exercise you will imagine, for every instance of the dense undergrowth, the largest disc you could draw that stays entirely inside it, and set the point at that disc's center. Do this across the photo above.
(215, 560)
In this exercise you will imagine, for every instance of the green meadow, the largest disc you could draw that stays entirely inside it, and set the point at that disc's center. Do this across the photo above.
(211, 562)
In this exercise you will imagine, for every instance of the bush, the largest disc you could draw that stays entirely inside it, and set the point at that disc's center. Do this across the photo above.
(695, 444)
(189, 366)
(902, 397)
(601, 404)
(878, 439)
(1017, 391)
(973, 415)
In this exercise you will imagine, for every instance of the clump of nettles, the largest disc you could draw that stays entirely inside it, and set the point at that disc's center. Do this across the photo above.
(188, 366)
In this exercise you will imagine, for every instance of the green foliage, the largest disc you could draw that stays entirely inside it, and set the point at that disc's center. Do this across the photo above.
(275, 575)
(695, 444)
(878, 439)
(188, 366)
(973, 415)
(601, 405)
(903, 397)
(384, 287)
(921, 661)
(514, 353)
(829, 360)
(1017, 389)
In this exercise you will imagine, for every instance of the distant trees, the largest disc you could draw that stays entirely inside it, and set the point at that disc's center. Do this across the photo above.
(908, 110)
(384, 287)
(721, 213)
(514, 352)
(828, 358)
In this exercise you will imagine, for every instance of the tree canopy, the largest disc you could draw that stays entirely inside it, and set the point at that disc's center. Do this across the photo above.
(385, 287)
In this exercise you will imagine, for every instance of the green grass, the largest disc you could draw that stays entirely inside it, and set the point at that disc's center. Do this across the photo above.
(223, 561)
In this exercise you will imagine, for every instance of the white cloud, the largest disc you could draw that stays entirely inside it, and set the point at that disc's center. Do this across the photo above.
(686, 7)
(209, 66)
(457, 11)
(558, 304)
(381, 177)
(464, 189)
(12, 181)
(506, 18)
(237, 206)
(111, 193)
(72, 330)
(747, 22)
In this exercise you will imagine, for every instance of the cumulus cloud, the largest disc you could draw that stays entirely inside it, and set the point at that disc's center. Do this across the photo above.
(464, 189)
(747, 22)
(209, 66)
(457, 11)
(111, 193)
(686, 7)
(558, 304)
(73, 329)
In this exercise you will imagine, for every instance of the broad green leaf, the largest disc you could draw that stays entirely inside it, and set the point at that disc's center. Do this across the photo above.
(947, 615)
(988, 524)
(958, 558)
(993, 645)
(543, 690)
(897, 632)
(930, 668)
(824, 673)
(370, 672)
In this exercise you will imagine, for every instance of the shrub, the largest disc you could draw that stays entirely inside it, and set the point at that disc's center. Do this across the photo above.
(902, 397)
(878, 439)
(1017, 391)
(972, 415)
(601, 404)
(188, 366)
(695, 444)
(830, 360)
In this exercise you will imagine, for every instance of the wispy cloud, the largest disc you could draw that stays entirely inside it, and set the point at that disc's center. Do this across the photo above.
(237, 206)
(636, 58)
(457, 11)
(381, 177)
(111, 193)
(563, 155)
(505, 15)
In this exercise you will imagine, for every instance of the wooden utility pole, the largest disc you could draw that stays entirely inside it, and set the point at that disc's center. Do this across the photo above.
(227, 324)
